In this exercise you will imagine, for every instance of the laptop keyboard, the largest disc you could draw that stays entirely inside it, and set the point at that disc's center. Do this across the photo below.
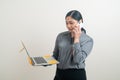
(39, 60)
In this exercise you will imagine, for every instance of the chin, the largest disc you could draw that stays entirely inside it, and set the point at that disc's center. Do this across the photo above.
(69, 30)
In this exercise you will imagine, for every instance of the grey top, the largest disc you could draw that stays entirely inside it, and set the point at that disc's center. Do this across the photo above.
(69, 54)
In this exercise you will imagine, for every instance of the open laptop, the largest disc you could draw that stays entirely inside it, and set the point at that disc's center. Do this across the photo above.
(42, 60)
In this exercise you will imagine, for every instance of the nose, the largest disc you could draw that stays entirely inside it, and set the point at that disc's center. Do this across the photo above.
(71, 27)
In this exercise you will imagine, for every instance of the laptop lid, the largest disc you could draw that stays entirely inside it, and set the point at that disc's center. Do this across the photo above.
(29, 58)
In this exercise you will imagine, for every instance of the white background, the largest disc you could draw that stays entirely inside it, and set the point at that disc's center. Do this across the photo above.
(37, 23)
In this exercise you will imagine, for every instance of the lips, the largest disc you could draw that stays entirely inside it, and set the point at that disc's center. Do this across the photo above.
(70, 30)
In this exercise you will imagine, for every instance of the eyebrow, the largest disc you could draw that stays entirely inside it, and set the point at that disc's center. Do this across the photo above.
(69, 21)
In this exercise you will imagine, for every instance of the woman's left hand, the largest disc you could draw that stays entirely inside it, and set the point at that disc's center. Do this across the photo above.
(77, 33)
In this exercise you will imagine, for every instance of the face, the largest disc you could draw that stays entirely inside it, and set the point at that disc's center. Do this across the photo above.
(71, 23)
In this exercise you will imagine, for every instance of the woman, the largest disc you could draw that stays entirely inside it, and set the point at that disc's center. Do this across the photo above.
(71, 49)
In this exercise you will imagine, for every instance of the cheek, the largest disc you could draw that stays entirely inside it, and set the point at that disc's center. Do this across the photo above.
(68, 27)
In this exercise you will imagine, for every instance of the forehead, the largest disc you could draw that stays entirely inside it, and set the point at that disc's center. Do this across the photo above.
(70, 19)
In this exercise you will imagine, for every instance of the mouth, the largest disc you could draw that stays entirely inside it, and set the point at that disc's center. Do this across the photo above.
(70, 30)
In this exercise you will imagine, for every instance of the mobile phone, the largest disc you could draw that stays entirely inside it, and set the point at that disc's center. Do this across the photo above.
(81, 25)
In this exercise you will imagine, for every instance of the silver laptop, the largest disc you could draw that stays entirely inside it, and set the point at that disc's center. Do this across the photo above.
(42, 60)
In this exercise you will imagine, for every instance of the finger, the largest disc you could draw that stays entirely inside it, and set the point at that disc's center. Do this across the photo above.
(74, 31)
(78, 25)
(77, 29)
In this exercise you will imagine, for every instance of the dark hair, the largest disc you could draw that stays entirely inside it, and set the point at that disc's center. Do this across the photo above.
(75, 15)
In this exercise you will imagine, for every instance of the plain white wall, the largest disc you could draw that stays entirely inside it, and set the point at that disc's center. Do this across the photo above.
(37, 23)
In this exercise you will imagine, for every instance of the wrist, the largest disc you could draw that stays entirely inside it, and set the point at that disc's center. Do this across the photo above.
(76, 40)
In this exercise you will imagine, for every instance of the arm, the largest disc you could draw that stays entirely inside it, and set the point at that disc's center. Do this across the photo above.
(56, 49)
(81, 51)
(55, 52)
